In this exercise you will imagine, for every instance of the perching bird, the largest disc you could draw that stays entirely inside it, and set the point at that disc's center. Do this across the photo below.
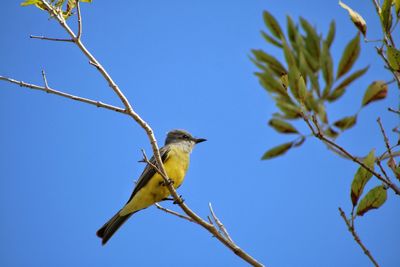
(150, 187)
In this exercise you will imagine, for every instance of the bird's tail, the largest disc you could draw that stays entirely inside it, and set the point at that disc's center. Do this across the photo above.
(110, 227)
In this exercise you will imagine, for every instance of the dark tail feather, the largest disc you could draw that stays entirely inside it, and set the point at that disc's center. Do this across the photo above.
(110, 227)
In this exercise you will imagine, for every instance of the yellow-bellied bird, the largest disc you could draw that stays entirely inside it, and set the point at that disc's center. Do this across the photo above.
(150, 187)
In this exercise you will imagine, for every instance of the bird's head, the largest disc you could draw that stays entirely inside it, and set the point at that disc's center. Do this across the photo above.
(182, 136)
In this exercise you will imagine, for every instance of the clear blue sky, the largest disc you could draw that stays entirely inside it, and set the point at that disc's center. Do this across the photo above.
(66, 167)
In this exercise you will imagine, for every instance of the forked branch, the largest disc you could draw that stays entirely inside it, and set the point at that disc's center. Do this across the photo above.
(159, 167)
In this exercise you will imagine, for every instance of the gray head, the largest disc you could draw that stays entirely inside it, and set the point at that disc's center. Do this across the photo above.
(181, 136)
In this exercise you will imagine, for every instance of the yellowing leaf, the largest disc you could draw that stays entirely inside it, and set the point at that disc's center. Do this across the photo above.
(393, 56)
(282, 126)
(272, 24)
(29, 2)
(349, 56)
(277, 151)
(376, 91)
(362, 177)
(346, 122)
(375, 198)
(356, 18)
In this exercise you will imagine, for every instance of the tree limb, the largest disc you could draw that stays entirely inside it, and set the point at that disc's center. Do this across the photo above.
(149, 132)
(59, 93)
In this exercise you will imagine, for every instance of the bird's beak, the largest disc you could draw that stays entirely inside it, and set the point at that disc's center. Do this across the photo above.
(199, 140)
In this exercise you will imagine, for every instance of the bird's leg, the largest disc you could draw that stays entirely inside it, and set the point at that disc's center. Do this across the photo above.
(167, 198)
(163, 183)
(179, 201)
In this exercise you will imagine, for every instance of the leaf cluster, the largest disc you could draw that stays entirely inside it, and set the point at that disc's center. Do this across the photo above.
(307, 80)
(64, 6)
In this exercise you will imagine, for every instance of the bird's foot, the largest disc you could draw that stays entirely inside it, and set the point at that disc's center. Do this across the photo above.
(179, 201)
(168, 198)
(163, 183)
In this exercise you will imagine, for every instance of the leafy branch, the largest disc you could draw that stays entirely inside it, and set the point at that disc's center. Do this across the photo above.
(305, 83)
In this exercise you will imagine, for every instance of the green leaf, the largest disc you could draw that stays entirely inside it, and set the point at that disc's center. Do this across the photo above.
(386, 16)
(86, 1)
(302, 89)
(393, 56)
(322, 113)
(331, 34)
(312, 39)
(291, 29)
(376, 91)
(374, 199)
(361, 178)
(271, 61)
(290, 110)
(273, 25)
(270, 83)
(327, 64)
(290, 59)
(282, 126)
(356, 18)
(271, 39)
(349, 56)
(346, 122)
(331, 133)
(339, 90)
(277, 151)
(397, 7)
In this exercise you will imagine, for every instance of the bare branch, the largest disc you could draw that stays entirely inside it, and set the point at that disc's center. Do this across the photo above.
(78, 9)
(46, 85)
(391, 162)
(150, 134)
(378, 162)
(59, 93)
(50, 39)
(219, 224)
(357, 238)
(174, 213)
(394, 111)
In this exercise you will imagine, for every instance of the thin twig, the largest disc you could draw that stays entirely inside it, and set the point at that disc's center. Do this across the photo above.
(322, 137)
(50, 39)
(357, 238)
(378, 162)
(59, 93)
(394, 111)
(150, 134)
(391, 162)
(173, 213)
(78, 9)
(219, 223)
(46, 85)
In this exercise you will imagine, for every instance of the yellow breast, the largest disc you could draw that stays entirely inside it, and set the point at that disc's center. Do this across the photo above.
(154, 191)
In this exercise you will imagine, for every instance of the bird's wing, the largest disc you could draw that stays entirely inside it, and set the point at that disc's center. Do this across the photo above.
(149, 171)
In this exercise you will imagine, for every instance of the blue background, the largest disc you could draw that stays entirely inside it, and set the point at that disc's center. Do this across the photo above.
(67, 167)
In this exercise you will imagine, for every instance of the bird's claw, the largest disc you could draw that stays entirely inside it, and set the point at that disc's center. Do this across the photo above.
(179, 201)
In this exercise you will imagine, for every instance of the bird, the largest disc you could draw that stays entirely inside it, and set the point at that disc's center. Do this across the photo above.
(150, 187)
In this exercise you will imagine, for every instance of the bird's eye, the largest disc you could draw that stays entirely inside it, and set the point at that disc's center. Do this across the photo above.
(185, 136)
